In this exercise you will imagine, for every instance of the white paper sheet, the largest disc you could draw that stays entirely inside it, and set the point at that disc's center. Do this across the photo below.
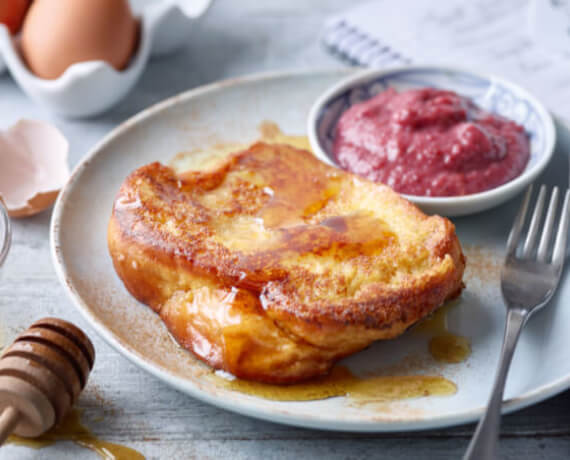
(484, 35)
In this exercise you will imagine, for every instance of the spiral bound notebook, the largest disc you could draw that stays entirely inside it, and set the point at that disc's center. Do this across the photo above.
(486, 35)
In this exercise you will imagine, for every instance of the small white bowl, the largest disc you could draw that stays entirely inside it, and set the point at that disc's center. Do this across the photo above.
(489, 92)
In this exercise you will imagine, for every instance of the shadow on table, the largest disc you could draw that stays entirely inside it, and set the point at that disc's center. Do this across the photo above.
(209, 55)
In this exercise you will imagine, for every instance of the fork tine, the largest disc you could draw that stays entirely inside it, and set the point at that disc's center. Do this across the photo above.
(548, 226)
(561, 237)
(513, 240)
(530, 240)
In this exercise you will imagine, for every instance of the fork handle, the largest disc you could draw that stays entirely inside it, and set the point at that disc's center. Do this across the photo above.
(483, 445)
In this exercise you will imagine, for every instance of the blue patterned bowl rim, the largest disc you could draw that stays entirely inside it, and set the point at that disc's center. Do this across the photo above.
(493, 93)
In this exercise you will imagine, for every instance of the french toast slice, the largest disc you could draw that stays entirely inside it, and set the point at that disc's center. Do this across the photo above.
(271, 265)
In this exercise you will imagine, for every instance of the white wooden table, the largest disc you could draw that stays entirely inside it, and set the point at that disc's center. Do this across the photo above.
(125, 405)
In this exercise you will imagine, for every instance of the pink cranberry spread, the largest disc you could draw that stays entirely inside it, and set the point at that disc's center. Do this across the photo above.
(430, 142)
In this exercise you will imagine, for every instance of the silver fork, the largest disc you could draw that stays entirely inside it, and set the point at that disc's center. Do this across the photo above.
(528, 280)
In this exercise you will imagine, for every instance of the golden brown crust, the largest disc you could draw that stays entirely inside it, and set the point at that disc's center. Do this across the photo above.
(314, 262)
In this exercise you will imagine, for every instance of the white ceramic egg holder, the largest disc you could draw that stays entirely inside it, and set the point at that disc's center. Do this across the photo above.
(89, 88)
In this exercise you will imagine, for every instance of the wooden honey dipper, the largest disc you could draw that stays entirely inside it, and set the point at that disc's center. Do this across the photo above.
(41, 376)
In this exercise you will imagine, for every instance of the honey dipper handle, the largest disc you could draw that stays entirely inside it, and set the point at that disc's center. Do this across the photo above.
(8, 421)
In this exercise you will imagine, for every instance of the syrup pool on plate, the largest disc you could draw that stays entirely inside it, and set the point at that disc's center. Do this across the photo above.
(444, 346)
(342, 382)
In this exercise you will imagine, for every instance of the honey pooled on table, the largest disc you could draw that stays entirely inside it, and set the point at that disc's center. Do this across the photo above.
(41, 376)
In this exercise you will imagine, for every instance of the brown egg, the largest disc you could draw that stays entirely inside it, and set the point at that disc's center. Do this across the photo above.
(12, 13)
(59, 33)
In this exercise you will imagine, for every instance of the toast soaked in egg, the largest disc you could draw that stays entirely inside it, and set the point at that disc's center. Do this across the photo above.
(271, 265)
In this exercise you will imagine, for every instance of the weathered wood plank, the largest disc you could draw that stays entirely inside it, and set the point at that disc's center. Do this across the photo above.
(365, 449)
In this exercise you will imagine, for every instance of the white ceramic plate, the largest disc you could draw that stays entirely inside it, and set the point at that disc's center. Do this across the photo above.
(231, 112)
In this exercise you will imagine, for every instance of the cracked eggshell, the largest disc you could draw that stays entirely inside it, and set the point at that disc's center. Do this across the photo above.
(33, 167)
